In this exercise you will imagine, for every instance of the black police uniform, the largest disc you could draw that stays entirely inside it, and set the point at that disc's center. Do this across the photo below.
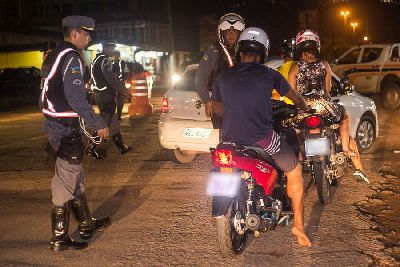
(118, 67)
(106, 85)
(216, 58)
(63, 102)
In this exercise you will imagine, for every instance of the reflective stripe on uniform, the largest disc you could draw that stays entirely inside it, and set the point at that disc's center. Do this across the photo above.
(60, 114)
(227, 55)
(91, 73)
(51, 111)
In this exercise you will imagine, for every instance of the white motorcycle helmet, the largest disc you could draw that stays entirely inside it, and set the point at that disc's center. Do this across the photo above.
(227, 22)
(255, 40)
(307, 40)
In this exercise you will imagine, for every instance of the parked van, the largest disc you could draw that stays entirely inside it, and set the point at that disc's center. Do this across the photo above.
(373, 68)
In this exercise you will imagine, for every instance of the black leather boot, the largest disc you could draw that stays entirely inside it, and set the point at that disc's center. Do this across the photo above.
(86, 224)
(91, 151)
(59, 226)
(123, 149)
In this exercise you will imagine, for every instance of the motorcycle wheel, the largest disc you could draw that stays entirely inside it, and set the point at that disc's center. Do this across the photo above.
(322, 182)
(230, 241)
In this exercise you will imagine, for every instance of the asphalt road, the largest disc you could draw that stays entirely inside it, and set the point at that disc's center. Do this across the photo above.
(161, 215)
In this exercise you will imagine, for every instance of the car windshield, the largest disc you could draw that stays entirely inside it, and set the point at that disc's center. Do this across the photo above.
(351, 57)
(186, 83)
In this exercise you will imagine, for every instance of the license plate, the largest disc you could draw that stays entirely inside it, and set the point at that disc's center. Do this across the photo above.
(223, 184)
(197, 133)
(317, 146)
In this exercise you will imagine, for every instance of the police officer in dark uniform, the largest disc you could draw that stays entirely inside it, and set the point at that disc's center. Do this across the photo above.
(64, 104)
(119, 68)
(105, 86)
(216, 58)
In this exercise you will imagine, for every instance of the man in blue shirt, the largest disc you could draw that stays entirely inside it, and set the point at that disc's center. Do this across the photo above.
(245, 91)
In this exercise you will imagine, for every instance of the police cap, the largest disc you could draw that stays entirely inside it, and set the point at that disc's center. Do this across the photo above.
(83, 22)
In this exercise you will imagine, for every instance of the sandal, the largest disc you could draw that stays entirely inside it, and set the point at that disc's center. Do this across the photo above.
(361, 176)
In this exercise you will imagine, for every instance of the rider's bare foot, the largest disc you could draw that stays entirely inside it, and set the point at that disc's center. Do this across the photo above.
(301, 236)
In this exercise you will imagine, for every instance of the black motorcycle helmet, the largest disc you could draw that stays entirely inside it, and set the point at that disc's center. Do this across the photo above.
(288, 48)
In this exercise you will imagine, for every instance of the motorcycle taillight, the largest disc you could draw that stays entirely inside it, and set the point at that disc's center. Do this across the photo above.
(313, 121)
(223, 157)
(164, 105)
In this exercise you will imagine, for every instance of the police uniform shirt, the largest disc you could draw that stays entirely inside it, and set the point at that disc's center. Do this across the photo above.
(74, 89)
(207, 64)
(112, 81)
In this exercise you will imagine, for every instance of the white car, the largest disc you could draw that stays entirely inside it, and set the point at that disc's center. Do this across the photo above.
(186, 131)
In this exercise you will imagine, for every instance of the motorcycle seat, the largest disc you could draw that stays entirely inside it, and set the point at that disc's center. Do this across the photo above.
(261, 153)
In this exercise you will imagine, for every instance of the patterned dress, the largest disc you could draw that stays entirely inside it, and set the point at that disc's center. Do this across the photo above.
(311, 82)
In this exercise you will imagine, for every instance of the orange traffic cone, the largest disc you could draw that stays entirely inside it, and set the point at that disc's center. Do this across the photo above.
(139, 92)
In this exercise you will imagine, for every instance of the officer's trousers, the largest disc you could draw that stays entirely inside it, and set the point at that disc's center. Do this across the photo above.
(107, 103)
(67, 183)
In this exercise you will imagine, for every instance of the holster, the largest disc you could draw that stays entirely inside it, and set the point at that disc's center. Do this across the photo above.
(71, 149)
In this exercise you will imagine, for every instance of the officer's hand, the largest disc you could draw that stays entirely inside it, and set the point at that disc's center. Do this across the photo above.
(103, 133)
(209, 108)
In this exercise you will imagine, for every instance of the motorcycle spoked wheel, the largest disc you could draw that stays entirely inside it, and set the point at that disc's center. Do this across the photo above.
(230, 241)
(322, 182)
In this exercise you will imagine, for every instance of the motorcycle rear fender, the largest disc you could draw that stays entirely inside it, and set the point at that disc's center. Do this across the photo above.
(220, 205)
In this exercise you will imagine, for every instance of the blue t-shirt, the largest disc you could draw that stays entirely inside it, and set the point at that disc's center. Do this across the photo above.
(245, 91)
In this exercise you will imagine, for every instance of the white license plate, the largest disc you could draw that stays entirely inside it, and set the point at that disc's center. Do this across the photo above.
(317, 146)
(201, 133)
(223, 184)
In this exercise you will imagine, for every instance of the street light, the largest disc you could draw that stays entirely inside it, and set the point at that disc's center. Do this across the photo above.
(345, 14)
(354, 25)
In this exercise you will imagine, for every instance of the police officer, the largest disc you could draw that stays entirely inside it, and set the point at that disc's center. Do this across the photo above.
(105, 86)
(64, 104)
(119, 68)
(216, 58)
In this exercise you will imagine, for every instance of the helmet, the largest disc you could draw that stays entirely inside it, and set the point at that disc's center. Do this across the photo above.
(288, 48)
(229, 21)
(253, 39)
(307, 41)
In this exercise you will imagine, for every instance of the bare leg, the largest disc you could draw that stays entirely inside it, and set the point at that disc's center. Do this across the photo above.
(344, 132)
(356, 159)
(295, 192)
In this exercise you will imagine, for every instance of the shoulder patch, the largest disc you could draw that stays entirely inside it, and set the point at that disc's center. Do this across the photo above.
(76, 70)
(205, 57)
(77, 82)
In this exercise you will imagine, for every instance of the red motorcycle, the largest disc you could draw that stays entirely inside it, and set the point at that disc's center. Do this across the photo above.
(248, 193)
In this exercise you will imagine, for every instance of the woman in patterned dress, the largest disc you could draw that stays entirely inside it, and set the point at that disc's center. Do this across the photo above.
(311, 76)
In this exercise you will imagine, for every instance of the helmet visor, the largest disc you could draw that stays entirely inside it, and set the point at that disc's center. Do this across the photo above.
(231, 24)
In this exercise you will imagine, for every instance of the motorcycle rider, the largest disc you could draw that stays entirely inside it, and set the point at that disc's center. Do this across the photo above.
(216, 58)
(314, 73)
(245, 91)
(287, 53)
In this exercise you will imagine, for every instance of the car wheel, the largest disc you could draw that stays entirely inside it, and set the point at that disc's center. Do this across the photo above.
(391, 95)
(180, 156)
(366, 135)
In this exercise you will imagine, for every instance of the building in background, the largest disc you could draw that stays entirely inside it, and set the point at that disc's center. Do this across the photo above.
(141, 28)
